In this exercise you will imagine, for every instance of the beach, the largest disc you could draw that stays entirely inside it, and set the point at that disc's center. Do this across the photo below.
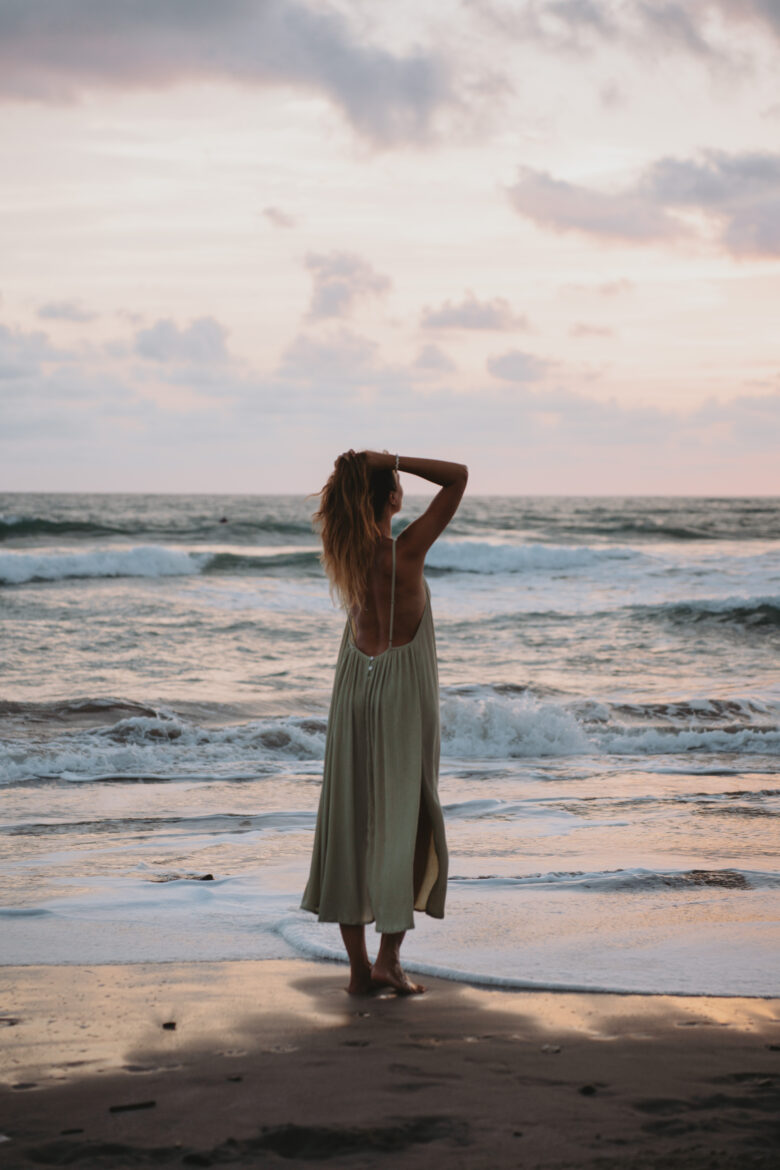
(273, 1064)
(603, 989)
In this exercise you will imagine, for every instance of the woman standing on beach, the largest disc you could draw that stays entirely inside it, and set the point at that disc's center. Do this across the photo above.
(379, 846)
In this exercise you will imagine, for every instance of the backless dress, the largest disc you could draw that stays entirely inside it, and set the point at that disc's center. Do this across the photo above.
(379, 800)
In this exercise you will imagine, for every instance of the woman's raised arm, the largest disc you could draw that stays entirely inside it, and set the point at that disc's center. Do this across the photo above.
(453, 477)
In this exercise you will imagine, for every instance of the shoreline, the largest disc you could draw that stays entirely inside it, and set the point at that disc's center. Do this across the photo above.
(270, 1062)
(326, 957)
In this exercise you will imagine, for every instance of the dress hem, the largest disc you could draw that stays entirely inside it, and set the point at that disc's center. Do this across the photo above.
(368, 921)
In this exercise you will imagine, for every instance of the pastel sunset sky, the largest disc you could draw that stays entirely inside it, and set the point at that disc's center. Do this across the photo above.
(539, 237)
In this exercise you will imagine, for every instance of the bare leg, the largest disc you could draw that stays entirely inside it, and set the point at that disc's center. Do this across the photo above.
(387, 970)
(421, 847)
(360, 982)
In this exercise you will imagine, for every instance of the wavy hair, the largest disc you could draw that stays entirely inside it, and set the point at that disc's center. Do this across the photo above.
(351, 505)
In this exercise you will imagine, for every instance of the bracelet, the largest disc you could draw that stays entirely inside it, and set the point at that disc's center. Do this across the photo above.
(397, 461)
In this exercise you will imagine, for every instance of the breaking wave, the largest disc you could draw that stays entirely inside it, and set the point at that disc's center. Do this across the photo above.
(628, 881)
(761, 611)
(17, 568)
(477, 723)
(496, 726)
(479, 556)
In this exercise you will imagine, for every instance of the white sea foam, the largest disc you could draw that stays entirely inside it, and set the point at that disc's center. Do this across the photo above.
(163, 746)
(18, 567)
(692, 966)
(492, 936)
(658, 741)
(478, 726)
(142, 561)
(491, 726)
(307, 938)
(498, 726)
(479, 556)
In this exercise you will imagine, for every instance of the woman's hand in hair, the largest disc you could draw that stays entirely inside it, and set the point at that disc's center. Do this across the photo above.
(352, 456)
(378, 459)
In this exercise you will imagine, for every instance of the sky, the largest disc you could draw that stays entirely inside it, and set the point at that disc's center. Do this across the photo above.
(540, 237)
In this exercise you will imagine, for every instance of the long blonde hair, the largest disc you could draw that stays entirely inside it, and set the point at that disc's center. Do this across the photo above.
(351, 505)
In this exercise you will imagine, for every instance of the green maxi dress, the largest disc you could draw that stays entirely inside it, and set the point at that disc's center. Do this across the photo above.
(380, 782)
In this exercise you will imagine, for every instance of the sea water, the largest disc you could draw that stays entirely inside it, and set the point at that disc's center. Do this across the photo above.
(610, 705)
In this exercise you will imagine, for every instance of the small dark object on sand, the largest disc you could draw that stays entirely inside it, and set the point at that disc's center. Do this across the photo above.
(588, 1090)
(207, 877)
(170, 1025)
(132, 1105)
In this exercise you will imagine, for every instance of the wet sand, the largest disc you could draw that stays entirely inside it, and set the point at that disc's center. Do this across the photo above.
(256, 1064)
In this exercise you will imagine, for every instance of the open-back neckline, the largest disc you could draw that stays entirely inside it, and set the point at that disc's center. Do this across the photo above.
(391, 649)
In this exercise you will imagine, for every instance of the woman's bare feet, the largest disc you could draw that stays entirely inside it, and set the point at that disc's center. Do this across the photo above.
(361, 982)
(387, 970)
(393, 975)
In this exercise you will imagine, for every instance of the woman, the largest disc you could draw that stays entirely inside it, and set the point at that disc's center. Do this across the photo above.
(379, 846)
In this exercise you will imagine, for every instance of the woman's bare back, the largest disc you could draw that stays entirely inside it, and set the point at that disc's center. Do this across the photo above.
(371, 625)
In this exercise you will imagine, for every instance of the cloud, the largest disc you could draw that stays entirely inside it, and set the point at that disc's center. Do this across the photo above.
(22, 353)
(740, 193)
(278, 218)
(54, 51)
(559, 416)
(346, 357)
(563, 426)
(717, 180)
(72, 411)
(675, 26)
(642, 26)
(131, 316)
(741, 190)
(556, 24)
(65, 311)
(203, 342)
(516, 366)
(763, 12)
(341, 279)
(473, 314)
(432, 358)
(69, 404)
(563, 206)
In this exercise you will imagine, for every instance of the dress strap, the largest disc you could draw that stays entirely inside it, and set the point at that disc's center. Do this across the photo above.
(392, 599)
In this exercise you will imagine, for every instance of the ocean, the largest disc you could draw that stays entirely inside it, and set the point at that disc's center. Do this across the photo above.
(610, 704)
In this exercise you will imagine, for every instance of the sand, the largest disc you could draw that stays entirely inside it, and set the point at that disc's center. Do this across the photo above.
(255, 1064)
